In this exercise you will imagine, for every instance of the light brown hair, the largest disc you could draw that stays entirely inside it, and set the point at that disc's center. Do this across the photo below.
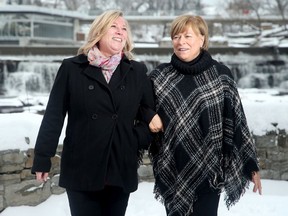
(197, 23)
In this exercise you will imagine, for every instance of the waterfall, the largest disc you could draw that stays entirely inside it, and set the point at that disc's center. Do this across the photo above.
(30, 77)
(35, 75)
(258, 71)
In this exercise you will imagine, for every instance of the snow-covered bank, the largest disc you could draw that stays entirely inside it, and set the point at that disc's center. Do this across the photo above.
(273, 202)
(263, 109)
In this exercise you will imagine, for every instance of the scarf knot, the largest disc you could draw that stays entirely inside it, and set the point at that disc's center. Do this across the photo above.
(107, 64)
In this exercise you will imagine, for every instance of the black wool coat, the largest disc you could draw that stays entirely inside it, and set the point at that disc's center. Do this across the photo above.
(103, 134)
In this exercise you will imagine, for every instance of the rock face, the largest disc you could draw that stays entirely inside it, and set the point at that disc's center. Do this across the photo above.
(19, 187)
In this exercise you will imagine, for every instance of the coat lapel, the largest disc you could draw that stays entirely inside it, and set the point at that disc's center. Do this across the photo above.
(120, 73)
(118, 76)
(96, 74)
(89, 70)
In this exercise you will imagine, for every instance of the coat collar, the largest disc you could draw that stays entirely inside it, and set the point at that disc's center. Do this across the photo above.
(80, 59)
(96, 74)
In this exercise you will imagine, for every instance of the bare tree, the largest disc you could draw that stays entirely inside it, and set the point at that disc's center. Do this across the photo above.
(172, 7)
(195, 6)
(256, 6)
(239, 7)
(72, 4)
(126, 5)
(92, 4)
(248, 7)
(179, 4)
(282, 7)
(278, 6)
(98, 5)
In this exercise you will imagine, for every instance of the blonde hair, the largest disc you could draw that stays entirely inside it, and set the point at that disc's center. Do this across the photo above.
(100, 26)
(197, 23)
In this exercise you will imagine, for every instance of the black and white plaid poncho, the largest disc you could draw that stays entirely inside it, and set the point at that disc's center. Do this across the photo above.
(206, 134)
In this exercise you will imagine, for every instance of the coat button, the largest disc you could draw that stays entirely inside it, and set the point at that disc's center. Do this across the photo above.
(91, 87)
(122, 87)
(94, 116)
(114, 117)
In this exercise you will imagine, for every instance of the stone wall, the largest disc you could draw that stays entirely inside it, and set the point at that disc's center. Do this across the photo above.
(273, 155)
(19, 187)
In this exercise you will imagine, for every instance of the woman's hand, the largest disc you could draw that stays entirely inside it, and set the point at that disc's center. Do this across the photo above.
(156, 124)
(257, 182)
(42, 176)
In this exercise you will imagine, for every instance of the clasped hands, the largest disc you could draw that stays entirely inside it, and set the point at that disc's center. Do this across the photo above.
(156, 124)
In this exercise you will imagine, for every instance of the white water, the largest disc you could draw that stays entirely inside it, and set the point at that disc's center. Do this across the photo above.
(35, 74)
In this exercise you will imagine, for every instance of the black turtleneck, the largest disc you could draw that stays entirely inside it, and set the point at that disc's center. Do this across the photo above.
(201, 63)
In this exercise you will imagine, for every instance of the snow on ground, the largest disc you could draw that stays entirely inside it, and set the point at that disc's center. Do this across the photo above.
(263, 107)
(273, 202)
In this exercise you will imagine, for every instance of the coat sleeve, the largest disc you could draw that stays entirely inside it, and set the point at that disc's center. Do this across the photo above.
(52, 123)
(148, 101)
(146, 111)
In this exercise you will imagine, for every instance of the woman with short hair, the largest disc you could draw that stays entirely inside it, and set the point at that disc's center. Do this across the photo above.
(203, 145)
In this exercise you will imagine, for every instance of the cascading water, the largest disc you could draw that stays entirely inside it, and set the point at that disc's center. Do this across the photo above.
(258, 71)
(30, 78)
(36, 76)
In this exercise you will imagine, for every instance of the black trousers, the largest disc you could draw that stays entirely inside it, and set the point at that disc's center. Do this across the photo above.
(206, 204)
(111, 201)
(207, 201)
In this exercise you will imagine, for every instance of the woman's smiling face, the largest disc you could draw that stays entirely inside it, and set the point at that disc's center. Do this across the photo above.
(115, 38)
(187, 44)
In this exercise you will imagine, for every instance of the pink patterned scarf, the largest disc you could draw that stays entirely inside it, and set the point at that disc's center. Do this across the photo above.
(107, 64)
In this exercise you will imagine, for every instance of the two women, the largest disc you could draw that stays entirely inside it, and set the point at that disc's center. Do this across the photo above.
(203, 147)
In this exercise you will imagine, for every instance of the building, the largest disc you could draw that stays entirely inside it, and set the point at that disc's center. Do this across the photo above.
(30, 25)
